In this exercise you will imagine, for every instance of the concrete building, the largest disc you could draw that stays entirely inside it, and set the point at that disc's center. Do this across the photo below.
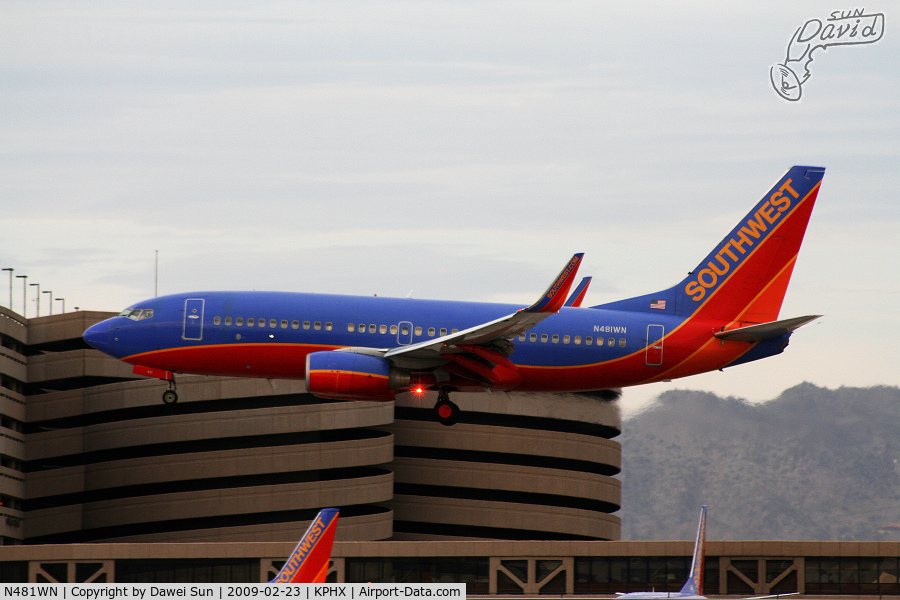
(93, 455)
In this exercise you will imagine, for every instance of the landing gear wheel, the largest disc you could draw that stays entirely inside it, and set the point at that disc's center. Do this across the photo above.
(170, 397)
(447, 412)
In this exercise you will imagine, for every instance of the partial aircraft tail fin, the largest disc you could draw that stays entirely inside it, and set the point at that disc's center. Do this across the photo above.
(308, 563)
(694, 584)
(745, 277)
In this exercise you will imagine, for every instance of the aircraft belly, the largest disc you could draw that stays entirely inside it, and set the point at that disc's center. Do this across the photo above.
(273, 360)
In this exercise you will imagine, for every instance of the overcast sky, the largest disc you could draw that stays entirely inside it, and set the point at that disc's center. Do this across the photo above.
(459, 150)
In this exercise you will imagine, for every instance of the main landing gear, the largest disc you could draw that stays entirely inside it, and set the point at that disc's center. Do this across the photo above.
(447, 412)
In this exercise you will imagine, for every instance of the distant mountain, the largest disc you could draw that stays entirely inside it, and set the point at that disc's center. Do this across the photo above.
(813, 464)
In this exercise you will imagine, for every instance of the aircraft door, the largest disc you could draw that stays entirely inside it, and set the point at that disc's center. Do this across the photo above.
(404, 333)
(193, 319)
(654, 355)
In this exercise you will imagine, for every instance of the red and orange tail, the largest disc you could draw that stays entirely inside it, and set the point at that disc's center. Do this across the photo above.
(745, 277)
(309, 561)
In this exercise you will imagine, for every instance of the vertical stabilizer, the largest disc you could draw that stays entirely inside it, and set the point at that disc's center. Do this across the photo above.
(694, 585)
(745, 277)
(308, 563)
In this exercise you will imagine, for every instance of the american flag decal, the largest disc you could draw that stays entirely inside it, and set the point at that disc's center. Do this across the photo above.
(661, 304)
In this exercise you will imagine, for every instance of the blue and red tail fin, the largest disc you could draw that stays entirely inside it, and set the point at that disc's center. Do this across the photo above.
(578, 295)
(745, 277)
(694, 584)
(308, 563)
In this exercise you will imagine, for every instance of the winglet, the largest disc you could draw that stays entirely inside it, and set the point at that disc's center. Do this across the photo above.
(308, 562)
(577, 296)
(694, 585)
(552, 300)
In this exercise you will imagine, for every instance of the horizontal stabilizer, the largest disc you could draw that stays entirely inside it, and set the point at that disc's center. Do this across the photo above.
(765, 331)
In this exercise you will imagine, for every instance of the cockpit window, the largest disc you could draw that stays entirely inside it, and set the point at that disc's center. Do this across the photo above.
(137, 314)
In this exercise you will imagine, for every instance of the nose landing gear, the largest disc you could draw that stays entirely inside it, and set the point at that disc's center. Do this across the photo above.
(170, 396)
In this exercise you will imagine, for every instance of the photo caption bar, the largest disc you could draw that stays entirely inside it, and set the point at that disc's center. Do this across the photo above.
(229, 591)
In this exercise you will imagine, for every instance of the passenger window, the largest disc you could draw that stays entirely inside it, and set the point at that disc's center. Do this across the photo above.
(362, 327)
(521, 337)
(284, 323)
(404, 330)
(589, 340)
(251, 321)
(239, 321)
(382, 329)
(295, 324)
(305, 324)
(273, 323)
(262, 322)
(454, 331)
(431, 332)
(621, 342)
(328, 326)
(532, 337)
(317, 326)
(555, 338)
(577, 339)
(612, 341)
(544, 337)
(443, 331)
(217, 320)
(418, 331)
(393, 330)
(351, 327)
(228, 320)
(566, 339)
(372, 329)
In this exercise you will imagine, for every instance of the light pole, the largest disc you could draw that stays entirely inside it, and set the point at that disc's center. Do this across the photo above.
(51, 302)
(10, 285)
(63, 300)
(24, 279)
(38, 297)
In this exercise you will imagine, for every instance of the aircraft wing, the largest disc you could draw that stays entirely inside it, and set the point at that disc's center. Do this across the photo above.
(499, 329)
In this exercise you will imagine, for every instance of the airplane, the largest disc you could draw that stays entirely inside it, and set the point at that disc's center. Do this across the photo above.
(693, 587)
(308, 563)
(724, 313)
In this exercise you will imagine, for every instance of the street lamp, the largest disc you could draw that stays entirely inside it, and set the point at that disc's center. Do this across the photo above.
(63, 300)
(38, 297)
(10, 285)
(24, 279)
(51, 302)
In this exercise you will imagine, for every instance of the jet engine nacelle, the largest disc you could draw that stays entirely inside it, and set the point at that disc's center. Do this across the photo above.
(352, 376)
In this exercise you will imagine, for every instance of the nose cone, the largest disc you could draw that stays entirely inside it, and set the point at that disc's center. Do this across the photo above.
(99, 336)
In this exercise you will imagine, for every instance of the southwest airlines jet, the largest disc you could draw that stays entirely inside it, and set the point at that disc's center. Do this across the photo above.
(308, 563)
(724, 313)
